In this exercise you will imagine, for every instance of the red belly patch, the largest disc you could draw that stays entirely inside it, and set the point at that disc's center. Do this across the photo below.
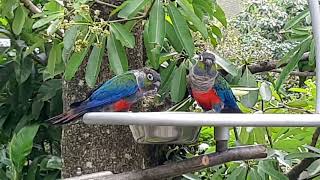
(121, 105)
(206, 99)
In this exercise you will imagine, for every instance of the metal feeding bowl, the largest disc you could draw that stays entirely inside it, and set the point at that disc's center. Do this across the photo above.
(165, 134)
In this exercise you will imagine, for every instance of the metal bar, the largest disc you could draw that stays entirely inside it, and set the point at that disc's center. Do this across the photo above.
(315, 18)
(202, 119)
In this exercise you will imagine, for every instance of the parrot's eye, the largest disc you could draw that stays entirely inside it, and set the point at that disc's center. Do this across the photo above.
(150, 77)
(201, 58)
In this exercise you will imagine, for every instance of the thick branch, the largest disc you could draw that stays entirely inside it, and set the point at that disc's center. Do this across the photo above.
(295, 172)
(192, 164)
(270, 65)
(33, 8)
(296, 73)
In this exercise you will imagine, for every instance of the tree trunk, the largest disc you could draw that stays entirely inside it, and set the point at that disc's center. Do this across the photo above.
(92, 148)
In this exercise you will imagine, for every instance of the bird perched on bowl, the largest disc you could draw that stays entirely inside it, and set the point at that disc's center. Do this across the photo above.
(117, 94)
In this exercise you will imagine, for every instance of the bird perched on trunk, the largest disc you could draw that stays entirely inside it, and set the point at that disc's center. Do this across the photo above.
(116, 94)
(209, 88)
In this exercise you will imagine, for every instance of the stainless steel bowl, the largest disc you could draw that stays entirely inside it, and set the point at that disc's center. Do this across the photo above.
(165, 134)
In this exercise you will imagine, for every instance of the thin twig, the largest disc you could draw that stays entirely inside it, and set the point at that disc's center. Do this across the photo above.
(269, 137)
(33, 8)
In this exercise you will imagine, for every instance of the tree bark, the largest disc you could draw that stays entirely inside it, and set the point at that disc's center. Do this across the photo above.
(92, 148)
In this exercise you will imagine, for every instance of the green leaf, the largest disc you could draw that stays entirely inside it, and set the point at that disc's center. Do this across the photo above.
(189, 14)
(253, 174)
(156, 29)
(178, 85)
(314, 168)
(294, 61)
(76, 60)
(49, 89)
(69, 39)
(123, 35)
(265, 91)
(302, 155)
(312, 54)
(153, 50)
(259, 134)
(26, 69)
(8, 6)
(292, 22)
(298, 103)
(219, 14)
(20, 147)
(311, 148)
(238, 174)
(173, 37)
(94, 62)
(166, 77)
(216, 31)
(54, 58)
(54, 163)
(181, 28)
(43, 21)
(113, 12)
(19, 19)
(117, 55)
(132, 8)
(267, 167)
(226, 65)
(244, 135)
(248, 80)
(53, 26)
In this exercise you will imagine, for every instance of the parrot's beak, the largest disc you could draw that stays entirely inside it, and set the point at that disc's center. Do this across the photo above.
(157, 84)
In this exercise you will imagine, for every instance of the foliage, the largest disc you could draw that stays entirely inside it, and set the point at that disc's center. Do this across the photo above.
(27, 98)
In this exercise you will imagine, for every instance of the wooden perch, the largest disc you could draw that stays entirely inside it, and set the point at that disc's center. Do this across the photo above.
(190, 165)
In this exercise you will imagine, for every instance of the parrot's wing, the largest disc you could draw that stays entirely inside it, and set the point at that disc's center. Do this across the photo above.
(113, 90)
(225, 93)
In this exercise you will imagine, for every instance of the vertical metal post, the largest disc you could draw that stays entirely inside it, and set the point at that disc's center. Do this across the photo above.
(315, 18)
(221, 135)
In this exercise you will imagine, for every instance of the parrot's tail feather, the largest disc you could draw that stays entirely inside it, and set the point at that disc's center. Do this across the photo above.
(67, 116)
